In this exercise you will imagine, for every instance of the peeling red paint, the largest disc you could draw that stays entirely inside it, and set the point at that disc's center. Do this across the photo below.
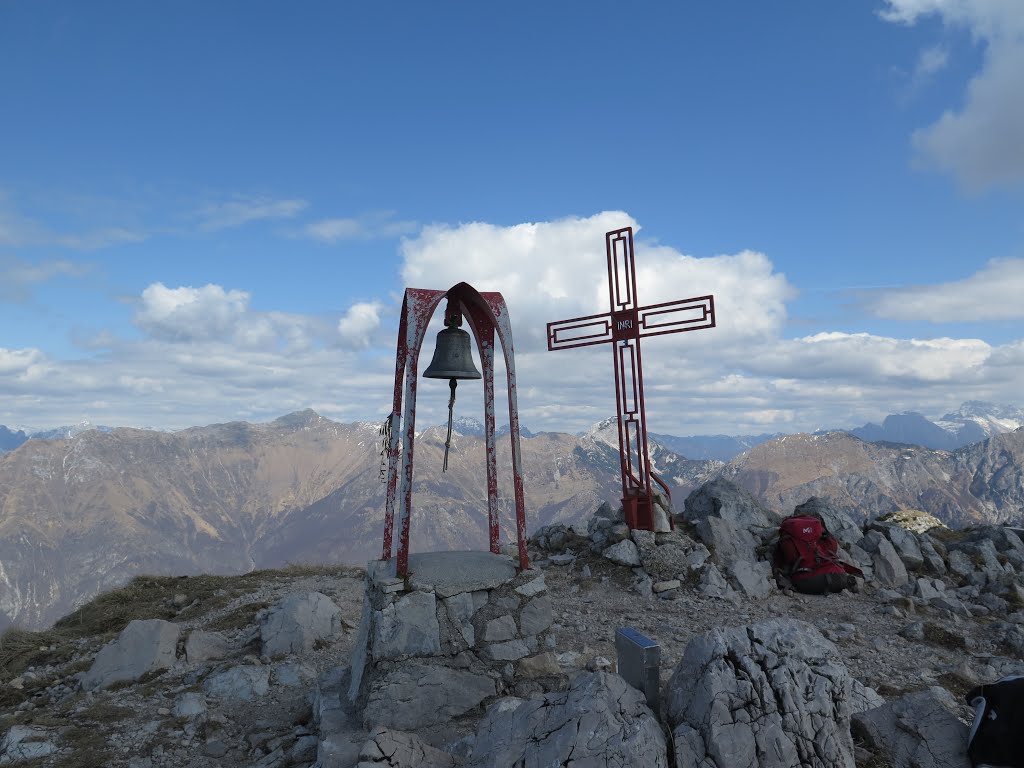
(486, 314)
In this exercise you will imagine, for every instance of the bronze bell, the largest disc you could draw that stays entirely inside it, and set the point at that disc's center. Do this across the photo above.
(452, 356)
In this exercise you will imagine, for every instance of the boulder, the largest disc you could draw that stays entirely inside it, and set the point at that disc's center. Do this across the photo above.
(918, 730)
(417, 695)
(933, 561)
(204, 646)
(143, 646)
(26, 742)
(189, 706)
(624, 553)
(752, 579)
(904, 542)
(713, 584)
(667, 555)
(725, 500)
(599, 720)
(837, 521)
(297, 622)
(887, 566)
(243, 683)
(774, 694)
(395, 749)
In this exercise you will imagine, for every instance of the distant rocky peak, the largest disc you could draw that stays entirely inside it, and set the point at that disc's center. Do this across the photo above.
(976, 408)
(605, 431)
(467, 425)
(304, 419)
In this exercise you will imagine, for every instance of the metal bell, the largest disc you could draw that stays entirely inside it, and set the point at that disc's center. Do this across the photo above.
(452, 357)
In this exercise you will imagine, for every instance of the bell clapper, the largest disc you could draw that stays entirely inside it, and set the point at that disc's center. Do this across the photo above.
(452, 383)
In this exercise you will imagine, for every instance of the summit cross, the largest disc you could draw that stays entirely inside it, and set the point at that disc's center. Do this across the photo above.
(623, 326)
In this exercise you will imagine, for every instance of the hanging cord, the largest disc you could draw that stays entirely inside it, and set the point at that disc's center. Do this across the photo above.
(385, 445)
(453, 383)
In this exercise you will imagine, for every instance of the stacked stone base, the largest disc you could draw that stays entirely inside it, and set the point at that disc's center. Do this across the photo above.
(463, 629)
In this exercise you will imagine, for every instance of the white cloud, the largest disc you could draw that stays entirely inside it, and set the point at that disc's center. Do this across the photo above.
(983, 142)
(333, 230)
(242, 210)
(205, 355)
(357, 326)
(993, 293)
(18, 362)
(17, 276)
(189, 314)
(931, 60)
(380, 224)
(18, 231)
(557, 270)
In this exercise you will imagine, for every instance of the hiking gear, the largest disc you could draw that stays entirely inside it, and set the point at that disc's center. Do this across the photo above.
(997, 734)
(807, 555)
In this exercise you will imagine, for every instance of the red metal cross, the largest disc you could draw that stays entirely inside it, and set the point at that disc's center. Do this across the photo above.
(624, 325)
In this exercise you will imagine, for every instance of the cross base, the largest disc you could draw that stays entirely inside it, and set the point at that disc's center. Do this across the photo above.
(639, 512)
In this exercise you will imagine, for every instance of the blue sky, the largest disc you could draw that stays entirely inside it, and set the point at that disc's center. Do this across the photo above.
(209, 211)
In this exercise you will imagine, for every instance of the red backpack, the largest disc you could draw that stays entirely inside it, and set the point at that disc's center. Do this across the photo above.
(807, 553)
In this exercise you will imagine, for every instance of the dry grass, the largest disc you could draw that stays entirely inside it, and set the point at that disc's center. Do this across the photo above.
(937, 635)
(144, 597)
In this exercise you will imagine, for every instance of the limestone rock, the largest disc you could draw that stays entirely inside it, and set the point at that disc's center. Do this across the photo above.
(887, 566)
(26, 742)
(395, 749)
(190, 706)
(536, 616)
(918, 730)
(408, 627)
(668, 555)
(599, 720)
(837, 521)
(460, 609)
(204, 646)
(143, 646)
(298, 621)
(725, 500)
(244, 683)
(774, 694)
(501, 628)
(541, 665)
(623, 553)
(713, 584)
(416, 695)
(753, 579)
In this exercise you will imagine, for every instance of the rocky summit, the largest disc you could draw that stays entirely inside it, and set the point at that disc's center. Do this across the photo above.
(486, 666)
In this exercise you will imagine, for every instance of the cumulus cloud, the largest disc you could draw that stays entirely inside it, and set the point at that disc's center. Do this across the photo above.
(981, 142)
(242, 210)
(18, 362)
(189, 314)
(356, 327)
(557, 270)
(992, 293)
(205, 354)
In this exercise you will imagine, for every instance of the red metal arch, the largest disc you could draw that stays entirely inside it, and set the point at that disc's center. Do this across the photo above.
(486, 314)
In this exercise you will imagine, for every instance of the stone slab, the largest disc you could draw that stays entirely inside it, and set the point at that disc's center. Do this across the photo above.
(452, 573)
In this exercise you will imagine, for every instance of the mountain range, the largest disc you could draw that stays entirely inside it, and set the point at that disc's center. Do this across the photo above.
(82, 514)
(973, 422)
